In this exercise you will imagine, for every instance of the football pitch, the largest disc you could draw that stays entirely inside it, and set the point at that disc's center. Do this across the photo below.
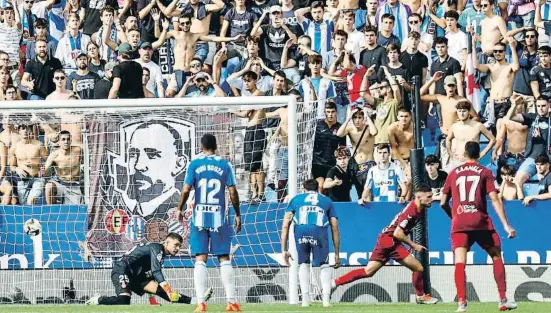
(526, 307)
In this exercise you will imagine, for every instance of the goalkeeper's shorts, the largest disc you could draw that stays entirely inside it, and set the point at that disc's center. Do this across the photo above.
(125, 283)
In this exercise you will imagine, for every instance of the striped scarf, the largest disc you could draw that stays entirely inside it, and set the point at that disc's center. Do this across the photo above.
(400, 30)
(110, 56)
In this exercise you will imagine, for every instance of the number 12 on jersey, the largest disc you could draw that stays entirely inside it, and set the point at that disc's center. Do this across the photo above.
(209, 191)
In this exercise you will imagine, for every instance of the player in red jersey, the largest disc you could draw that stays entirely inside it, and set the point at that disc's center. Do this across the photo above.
(468, 186)
(389, 246)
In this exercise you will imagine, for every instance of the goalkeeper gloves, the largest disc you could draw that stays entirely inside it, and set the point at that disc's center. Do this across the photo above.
(174, 296)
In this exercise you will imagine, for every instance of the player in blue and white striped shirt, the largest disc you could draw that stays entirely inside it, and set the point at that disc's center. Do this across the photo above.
(209, 175)
(318, 29)
(312, 213)
(384, 180)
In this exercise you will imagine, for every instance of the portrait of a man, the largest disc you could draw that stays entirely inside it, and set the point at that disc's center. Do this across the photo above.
(149, 172)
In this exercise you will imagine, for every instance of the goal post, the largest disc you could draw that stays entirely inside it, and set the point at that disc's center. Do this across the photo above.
(80, 241)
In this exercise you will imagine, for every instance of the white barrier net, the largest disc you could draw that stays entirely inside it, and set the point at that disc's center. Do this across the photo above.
(118, 183)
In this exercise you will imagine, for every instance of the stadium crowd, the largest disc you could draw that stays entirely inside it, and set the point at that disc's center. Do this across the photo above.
(356, 59)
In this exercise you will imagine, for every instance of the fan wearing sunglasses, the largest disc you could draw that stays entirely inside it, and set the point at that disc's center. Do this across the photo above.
(502, 75)
(60, 92)
(493, 27)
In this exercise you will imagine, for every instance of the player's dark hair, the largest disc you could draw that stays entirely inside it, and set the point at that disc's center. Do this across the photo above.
(208, 142)
(452, 14)
(186, 15)
(543, 98)
(542, 159)
(370, 29)
(383, 146)
(250, 75)
(330, 104)
(315, 59)
(417, 15)
(280, 73)
(388, 16)
(423, 188)
(463, 105)
(544, 50)
(358, 112)
(415, 35)
(341, 33)
(310, 185)
(432, 159)
(316, 4)
(175, 236)
(472, 150)
(178, 141)
(65, 132)
(507, 170)
(392, 47)
(403, 109)
(441, 40)
(342, 152)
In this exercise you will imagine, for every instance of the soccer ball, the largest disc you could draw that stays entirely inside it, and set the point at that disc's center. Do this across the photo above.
(32, 227)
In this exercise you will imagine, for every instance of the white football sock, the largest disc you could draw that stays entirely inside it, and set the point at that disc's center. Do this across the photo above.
(325, 277)
(200, 279)
(228, 279)
(304, 280)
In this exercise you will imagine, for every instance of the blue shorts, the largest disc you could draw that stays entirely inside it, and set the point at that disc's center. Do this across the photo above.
(528, 167)
(202, 51)
(206, 241)
(312, 240)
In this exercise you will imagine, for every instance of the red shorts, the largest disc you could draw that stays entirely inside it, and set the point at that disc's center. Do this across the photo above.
(486, 239)
(388, 248)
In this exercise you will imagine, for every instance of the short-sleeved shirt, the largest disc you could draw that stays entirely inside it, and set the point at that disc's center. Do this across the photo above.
(527, 61)
(209, 175)
(385, 183)
(384, 41)
(406, 220)
(43, 75)
(543, 186)
(320, 33)
(543, 77)
(449, 67)
(92, 21)
(85, 84)
(339, 193)
(376, 56)
(387, 113)
(437, 184)
(311, 209)
(240, 23)
(354, 81)
(468, 185)
(326, 142)
(272, 42)
(414, 63)
(538, 139)
(130, 73)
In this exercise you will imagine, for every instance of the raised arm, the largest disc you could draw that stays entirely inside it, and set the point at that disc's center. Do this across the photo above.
(257, 30)
(300, 14)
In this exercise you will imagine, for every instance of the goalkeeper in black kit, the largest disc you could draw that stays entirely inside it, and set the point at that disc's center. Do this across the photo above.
(139, 271)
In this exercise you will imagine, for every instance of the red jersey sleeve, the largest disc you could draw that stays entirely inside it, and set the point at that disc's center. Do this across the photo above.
(447, 185)
(489, 181)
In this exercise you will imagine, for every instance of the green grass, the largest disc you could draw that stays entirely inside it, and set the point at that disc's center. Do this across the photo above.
(527, 307)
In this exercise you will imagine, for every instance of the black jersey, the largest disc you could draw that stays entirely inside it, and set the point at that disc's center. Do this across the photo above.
(144, 260)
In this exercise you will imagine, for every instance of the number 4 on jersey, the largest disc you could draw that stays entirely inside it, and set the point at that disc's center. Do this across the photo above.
(312, 198)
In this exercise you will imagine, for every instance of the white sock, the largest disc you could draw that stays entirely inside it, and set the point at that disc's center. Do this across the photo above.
(228, 279)
(304, 280)
(325, 277)
(200, 279)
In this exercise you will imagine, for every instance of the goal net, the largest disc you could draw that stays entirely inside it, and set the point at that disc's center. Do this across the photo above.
(71, 209)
